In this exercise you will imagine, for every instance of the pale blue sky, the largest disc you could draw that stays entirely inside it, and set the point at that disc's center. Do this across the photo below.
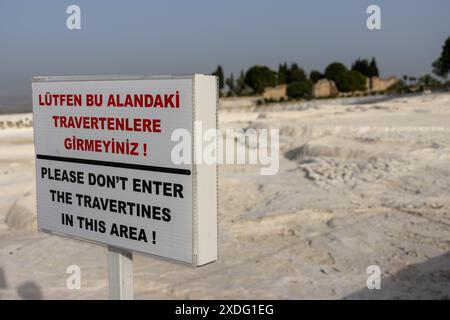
(173, 37)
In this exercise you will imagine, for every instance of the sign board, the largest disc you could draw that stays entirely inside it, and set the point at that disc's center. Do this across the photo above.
(104, 167)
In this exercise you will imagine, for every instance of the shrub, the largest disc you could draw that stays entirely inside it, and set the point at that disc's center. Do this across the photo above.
(299, 89)
(351, 81)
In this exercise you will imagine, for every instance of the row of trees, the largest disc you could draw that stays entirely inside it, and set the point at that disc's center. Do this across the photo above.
(299, 84)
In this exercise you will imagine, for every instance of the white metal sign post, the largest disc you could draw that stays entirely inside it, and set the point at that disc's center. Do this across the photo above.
(120, 264)
(108, 167)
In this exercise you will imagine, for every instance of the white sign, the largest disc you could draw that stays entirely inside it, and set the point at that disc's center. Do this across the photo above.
(104, 169)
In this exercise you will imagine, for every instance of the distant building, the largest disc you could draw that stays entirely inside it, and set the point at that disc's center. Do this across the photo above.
(324, 88)
(378, 85)
(275, 93)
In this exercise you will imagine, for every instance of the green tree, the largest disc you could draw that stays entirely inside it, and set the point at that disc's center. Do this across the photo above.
(230, 83)
(315, 76)
(299, 89)
(350, 81)
(441, 67)
(240, 84)
(219, 74)
(362, 66)
(282, 70)
(295, 73)
(334, 71)
(260, 77)
(373, 68)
